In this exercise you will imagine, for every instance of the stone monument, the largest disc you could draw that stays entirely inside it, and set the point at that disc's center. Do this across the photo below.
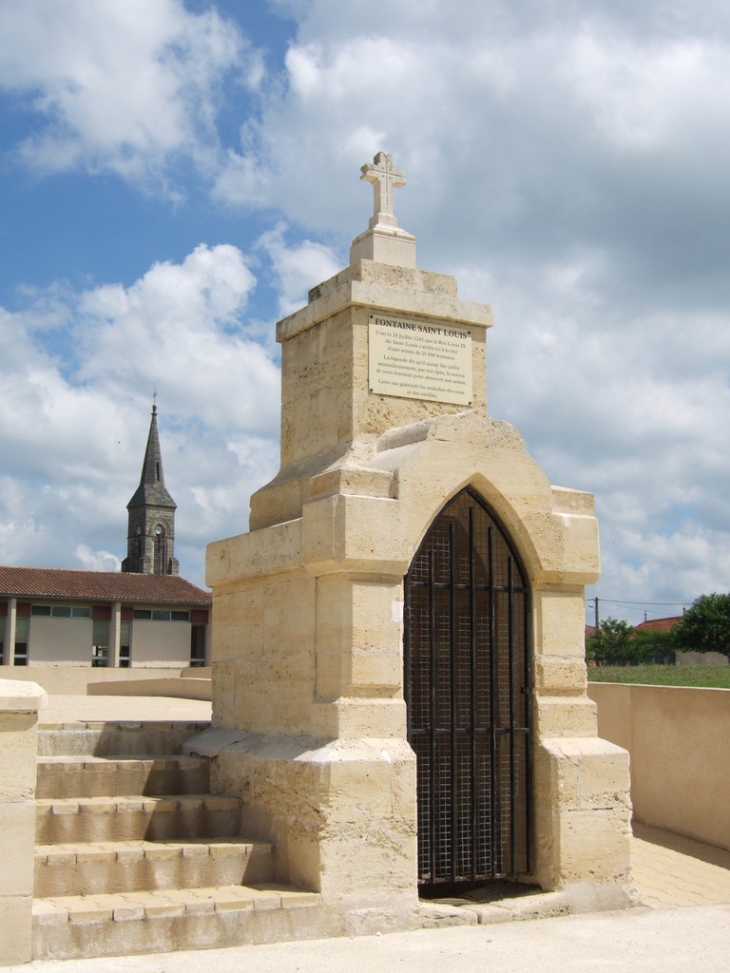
(399, 684)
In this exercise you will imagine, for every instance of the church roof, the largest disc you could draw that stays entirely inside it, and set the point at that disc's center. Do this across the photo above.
(74, 585)
(152, 491)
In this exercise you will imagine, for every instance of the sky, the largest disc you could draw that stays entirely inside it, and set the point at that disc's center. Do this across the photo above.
(176, 174)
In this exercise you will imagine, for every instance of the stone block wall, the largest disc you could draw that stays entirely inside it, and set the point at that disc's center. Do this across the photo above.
(19, 704)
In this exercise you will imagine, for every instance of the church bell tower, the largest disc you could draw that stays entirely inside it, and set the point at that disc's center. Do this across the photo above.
(151, 525)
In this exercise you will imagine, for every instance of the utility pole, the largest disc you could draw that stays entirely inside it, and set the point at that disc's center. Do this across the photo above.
(597, 620)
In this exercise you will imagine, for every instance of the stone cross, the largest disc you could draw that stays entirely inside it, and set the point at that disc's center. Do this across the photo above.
(385, 179)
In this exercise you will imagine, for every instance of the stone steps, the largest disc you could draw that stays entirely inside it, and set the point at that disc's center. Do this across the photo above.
(89, 776)
(134, 856)
(170, 920)
(91, 868)
(115, 739)
(129, 818)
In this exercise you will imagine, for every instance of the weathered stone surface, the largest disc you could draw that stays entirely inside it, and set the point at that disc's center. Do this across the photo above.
(19, 705)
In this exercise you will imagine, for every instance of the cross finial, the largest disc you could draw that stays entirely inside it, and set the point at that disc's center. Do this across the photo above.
(385, 179)
(154, 402)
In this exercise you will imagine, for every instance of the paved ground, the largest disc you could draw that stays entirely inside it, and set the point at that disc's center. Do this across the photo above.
(670, 870)
(682, 926)
(679, 940)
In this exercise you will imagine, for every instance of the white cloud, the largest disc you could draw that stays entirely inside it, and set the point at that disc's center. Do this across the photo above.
(182, 322)
(74, 436)
(296, 268)
(629, 405)
(97, 560)
(646, 95)
(121, 86)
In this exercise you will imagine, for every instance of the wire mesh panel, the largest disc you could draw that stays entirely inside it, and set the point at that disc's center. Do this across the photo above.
(467, 688)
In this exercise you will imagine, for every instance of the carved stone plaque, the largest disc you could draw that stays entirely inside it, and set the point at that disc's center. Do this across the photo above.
(415, 360)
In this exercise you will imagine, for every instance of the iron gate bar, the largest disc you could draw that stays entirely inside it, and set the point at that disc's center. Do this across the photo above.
(512, 770)
(484, 834)
(407, 680)
(452, 694)
(433, 714)
(527, 624)
(472, 692)
(494, 789)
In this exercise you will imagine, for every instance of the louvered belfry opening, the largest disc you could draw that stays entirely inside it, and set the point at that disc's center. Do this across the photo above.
(467, 689)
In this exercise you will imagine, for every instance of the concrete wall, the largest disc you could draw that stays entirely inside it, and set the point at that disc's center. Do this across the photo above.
(73, 680)
(19, 704)
(170, 685)
(677, 739)
(60, 640)
(702, 659)
(160, 644)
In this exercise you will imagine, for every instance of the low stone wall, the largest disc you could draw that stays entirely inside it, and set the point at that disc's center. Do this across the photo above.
(19, 705)
(677, 739)
(177, 687)
(74, 681)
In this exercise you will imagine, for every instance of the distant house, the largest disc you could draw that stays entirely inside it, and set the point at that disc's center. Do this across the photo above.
(662, 627)
(684, 658)
(658, 624)
(51, 617)
(662, 652)
(144, 616)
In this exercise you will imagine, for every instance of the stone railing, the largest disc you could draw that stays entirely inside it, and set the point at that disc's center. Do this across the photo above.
(19, 705)
(677, 739)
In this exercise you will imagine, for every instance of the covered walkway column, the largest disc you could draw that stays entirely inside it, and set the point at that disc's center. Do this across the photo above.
(115, 630)
(10, 626)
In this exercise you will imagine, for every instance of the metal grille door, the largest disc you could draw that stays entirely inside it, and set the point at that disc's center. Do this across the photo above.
(467, 688)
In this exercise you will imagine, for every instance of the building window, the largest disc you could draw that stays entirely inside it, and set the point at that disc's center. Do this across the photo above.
(125, 655)
(100, 643)
(59, 611)
(197, 646)
(161, 615)
(21, 641)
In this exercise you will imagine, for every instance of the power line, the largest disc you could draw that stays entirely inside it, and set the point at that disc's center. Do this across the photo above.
(638, 606)
(615, 601)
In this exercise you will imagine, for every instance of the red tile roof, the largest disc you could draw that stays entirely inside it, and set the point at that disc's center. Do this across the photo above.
(100, 586)
(659, 624)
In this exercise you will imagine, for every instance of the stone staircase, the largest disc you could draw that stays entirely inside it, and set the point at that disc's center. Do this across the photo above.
(134, 855)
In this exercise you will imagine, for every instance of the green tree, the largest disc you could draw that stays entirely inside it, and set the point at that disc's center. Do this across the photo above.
(705, 627)
(611, 644)
(649, 647)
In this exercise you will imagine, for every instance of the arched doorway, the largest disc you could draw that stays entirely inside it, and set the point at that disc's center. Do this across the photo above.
(467, 685)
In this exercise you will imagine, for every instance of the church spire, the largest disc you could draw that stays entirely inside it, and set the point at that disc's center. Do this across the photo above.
(151, 524)
(152, 489)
